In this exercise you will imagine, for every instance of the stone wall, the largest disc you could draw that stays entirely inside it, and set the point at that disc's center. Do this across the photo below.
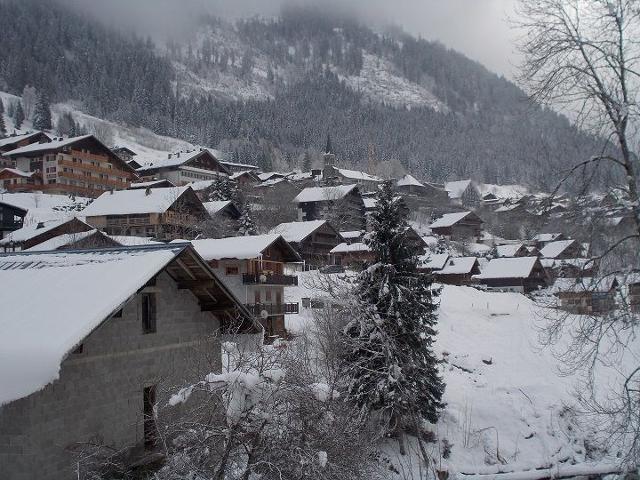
(99, 395)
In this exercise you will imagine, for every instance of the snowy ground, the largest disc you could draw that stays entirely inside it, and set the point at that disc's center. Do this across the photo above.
(506, 401)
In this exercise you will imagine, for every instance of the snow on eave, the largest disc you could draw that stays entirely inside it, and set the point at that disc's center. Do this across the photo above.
(62, 240)
(518, 267)
(136, 201)
(458, 266)
(30, 231)
(297, 232)
(409, 180)
(553, 249)
(350, 248)
(18, 138)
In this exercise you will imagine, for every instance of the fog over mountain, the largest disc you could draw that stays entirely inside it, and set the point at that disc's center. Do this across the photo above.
(477, 28)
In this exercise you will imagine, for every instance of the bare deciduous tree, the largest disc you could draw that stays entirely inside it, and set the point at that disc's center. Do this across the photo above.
(584, 56)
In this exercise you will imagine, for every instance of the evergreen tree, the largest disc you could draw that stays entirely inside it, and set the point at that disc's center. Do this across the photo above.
(18, 117)
(3, 128)
(389, 342)
(223, 189)
(247, 225)
(42, 113)
(306, 162)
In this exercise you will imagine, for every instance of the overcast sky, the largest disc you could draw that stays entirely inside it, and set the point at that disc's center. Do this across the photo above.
(477, 28)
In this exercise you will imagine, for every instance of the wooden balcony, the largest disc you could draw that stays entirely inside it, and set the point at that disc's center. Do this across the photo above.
(87, 167)
(273, 308)
(269, 279)
(116, 184)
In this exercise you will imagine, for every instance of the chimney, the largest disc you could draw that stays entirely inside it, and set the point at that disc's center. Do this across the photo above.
(40, 225)
(169, 156)
(147, 191)
(178, 154)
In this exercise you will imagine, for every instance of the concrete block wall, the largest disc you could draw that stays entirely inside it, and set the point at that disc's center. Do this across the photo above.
(99, 395)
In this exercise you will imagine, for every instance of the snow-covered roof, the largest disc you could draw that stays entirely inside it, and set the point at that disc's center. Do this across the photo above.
(17, 138)
(213, 208)
(519, 267)
(131, 241)
(296, 232)
(61, 241)
(41, 207)
(240, 165)
(347, 248)
(449, 219)
(39, 330)
(235, 175)
(546, 237)
(33, 230)
(149, 184)
(409, 180)
(508, 250)
(352, 234)
(123, 202)
(53, 145)
(458, 266)
(584, 284)
(242, 248)
(553, 249)
(177, 159)
(357, 175)
(434, 261)
(320, 194)
(370, 202)
(268, 175)
(457, 188)
(19, 173)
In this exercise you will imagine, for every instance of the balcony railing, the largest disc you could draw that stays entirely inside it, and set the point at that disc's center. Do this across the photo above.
(273, 308)
(269, 279)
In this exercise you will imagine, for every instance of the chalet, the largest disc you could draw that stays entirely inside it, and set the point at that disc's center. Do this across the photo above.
(409, 185)
(125, 154)
(313, 240)
(464, 192)
(11, 217)
(38, 232)
(352, 236)
(235, 167)
(266, 176)
(512, 250)
(162, 213)
(522, 274)
(14, 180)
(332, 175)
(162, 183)
(541, 239)
(74, 166)
(225, 209)
(253, 268)
(562, 249)
(431, 262)
(182, 168)
(458, 271)
(570, 267)
(586, 295)
(13, 142)
(633, 291)
(91, 239)
(458, 226)
(353, 254)
(83, 367)
(342, 205)
(246, 178)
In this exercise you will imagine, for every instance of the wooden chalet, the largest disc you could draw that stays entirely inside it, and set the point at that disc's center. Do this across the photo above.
(458, 226)
(74, 166)
(182, 168)
(13, 142)
(562, 249)
(586, 295)
(246, 178)
(11, 218)
(342, 205)
(313, 240)
(124, 153)
(352, 254)
(14, 180)
(512, 250)
(235, 167)
(254, 268)
(224, 209)
(39, 232)
(458, 271)
(161, 213)
(522, 274)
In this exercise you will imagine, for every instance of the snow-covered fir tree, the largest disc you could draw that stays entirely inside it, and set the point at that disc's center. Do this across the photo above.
(42, 113)
(246, 224)
(3, 129)
(389, 342)
(222, 189)
(18, 116)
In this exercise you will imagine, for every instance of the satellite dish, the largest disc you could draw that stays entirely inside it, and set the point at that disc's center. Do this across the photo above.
(263, 278)
(264, 314)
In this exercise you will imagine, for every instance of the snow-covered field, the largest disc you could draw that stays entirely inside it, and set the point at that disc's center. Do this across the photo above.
(506, 399)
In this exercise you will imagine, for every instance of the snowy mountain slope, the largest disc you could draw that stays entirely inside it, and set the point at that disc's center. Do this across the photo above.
(508, 407)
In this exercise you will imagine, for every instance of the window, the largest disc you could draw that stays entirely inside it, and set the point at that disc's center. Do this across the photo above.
(148, 406)
(148, 313)
(232, 270)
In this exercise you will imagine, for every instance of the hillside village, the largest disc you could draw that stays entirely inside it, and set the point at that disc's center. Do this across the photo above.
(239, 250)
